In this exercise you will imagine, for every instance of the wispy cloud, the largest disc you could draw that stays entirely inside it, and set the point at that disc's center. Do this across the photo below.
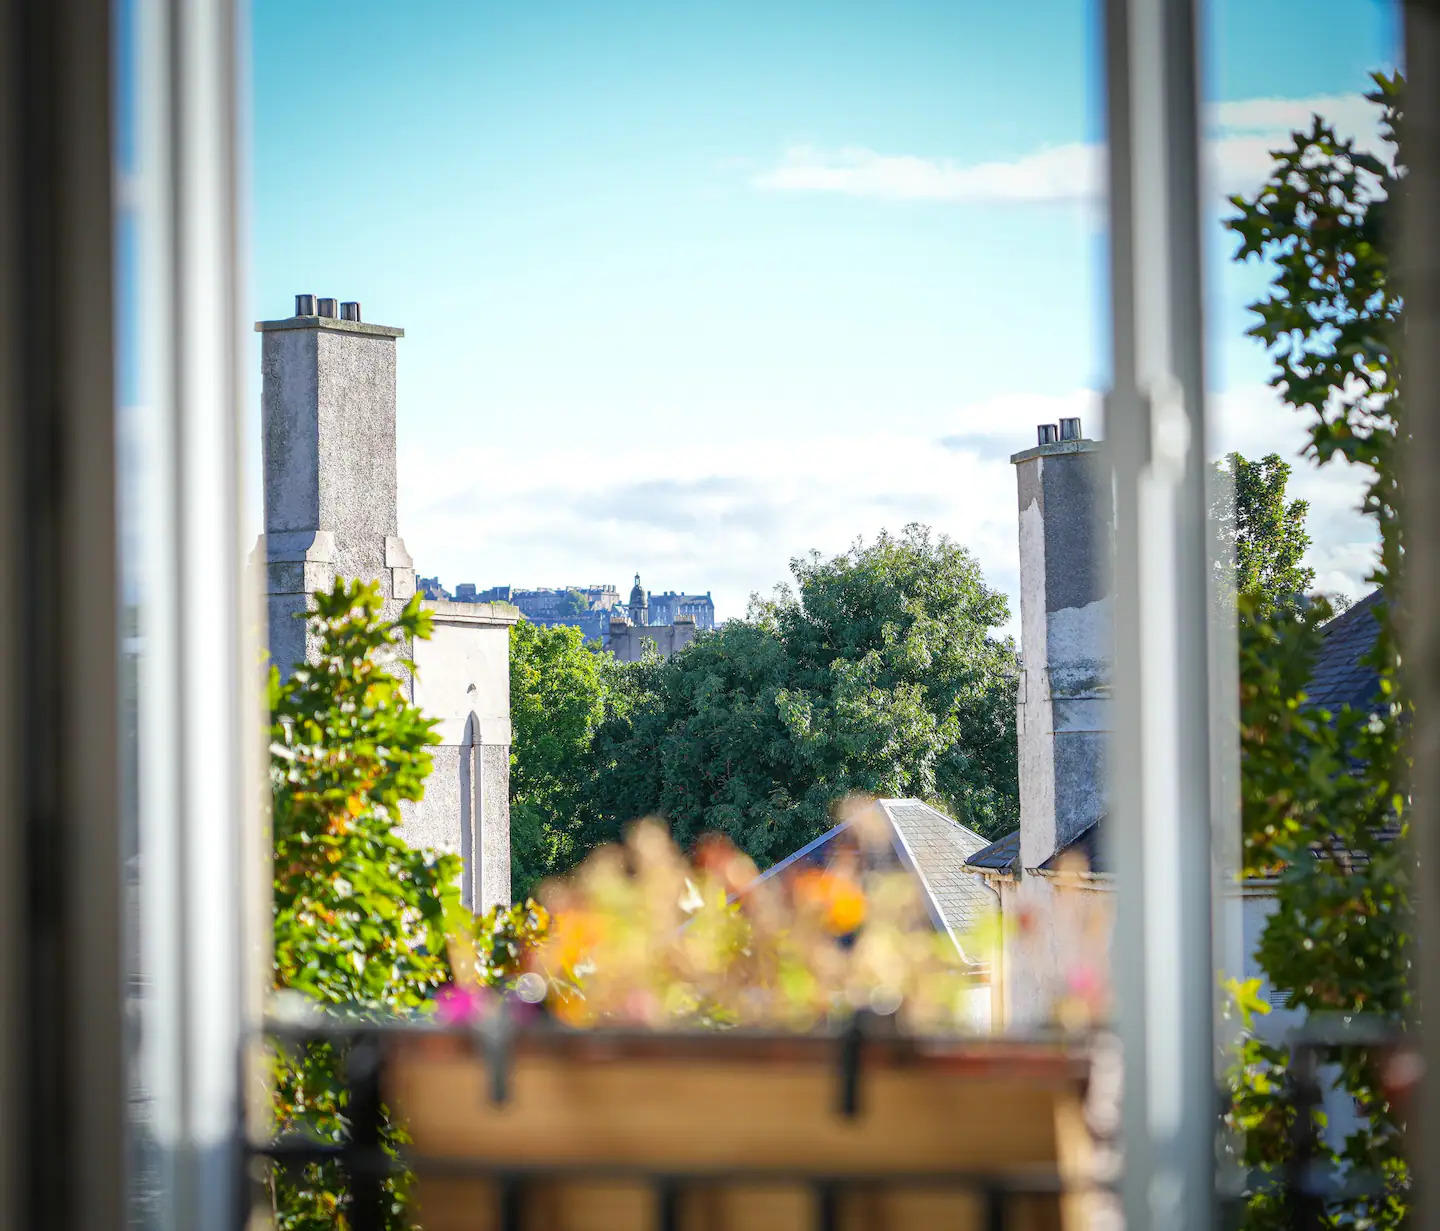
(1352, 114)
(1064, 173)
(1005, 422)
(729, 518)
(1241, 135)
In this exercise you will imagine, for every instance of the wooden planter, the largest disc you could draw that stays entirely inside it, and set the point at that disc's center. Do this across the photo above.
(719, 1131)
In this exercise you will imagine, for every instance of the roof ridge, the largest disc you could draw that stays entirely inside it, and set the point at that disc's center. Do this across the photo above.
(1352, 612)
(931, 808)
(937, 912)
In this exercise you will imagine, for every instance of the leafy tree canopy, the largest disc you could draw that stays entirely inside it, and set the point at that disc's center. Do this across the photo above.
(1263, 530)
(883, 671)
(360, 916)
(558, 698)
(573, 604)
(1321, 793)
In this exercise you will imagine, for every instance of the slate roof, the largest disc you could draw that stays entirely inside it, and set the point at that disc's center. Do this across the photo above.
(1002, 855)
(932, 847)
(1089, 846)
(937, 848)
(1340, 678)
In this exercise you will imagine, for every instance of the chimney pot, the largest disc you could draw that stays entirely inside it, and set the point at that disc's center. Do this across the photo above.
(304, 305)
(1046, 433)
(327, 307)
(1069, 429)
(350, 310)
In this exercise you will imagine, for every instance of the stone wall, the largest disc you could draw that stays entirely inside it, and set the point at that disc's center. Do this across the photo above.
(462, 678)
(630, 642)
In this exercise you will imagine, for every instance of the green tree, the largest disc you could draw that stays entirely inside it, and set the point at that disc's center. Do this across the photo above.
(883, 672)
(1263, 531)
(559, 691)
(574, 604)
(359, 916)
(1321, 792)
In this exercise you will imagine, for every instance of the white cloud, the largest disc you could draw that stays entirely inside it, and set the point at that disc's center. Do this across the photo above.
(727, 518)
(730, 517)
(1005, 422)
(1241, 135)
(1063, 173)
(1343, 543)
(1351, 114)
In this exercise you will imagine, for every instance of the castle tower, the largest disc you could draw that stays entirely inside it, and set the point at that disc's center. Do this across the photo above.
(639, 604)
(328, 408)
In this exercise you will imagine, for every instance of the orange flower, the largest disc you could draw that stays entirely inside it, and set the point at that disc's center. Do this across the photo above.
(838, 899)
(573, 936)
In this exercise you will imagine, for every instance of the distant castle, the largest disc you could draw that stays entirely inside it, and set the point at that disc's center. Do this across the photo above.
(596, 610)
(633, 637)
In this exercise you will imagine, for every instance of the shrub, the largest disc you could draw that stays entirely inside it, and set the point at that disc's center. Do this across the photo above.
(360, 916)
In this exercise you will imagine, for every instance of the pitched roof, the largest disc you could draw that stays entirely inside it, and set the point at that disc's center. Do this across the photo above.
(1089, 845)
(1003, 855)
(1340, 677)
(936, 849)
(928, 844)
(1000, 856)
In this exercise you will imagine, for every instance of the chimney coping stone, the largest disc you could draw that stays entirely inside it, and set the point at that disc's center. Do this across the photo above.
(332, 323)
(1060, 447)
(490, 615)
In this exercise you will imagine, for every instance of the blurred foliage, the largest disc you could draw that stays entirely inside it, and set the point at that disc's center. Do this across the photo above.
(1261, 531)
(360, 916)
(1322, 792)
(560, 691)
(883, 673)
(641, 936)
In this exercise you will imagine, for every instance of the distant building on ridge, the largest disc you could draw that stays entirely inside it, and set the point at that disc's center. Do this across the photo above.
(637, 632)
(669, 621)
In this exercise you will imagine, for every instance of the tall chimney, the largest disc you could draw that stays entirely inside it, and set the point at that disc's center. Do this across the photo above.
(328, 405)
(1063, 708)
(328, 408)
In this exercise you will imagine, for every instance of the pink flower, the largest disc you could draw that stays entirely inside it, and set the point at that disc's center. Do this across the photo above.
(460, 1006)
(1084, 982)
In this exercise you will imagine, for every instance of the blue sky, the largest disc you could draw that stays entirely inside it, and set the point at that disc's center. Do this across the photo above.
(691, 289)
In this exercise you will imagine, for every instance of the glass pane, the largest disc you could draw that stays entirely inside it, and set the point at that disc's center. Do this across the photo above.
(696, 305)
(191, 809)
(1311, 931)
(143, 453)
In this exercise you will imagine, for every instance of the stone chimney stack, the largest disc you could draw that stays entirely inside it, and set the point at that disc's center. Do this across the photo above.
(1063, 708)
(328, 405)
(328, 408)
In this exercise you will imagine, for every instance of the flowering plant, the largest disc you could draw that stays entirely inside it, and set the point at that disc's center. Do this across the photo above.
(640, 936)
